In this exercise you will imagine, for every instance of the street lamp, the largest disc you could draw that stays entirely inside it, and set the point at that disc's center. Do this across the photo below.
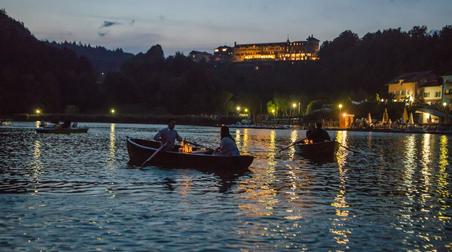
(245, 110)
(340, 110)
(446, 110)
(38, 111)
(238, 108)
(112, 111)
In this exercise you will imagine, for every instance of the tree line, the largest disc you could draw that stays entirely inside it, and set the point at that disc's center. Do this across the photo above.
(34, 73)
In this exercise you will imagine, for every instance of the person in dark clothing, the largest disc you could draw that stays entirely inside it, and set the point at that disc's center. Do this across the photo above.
(66, 125)
(310, 131)
(168, 136)
(319, 134)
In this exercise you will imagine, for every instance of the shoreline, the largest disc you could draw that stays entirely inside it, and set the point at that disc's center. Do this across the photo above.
(210, 121)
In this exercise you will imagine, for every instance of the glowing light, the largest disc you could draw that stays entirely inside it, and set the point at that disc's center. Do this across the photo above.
(246, 110)
(382, 100)
(340, 106)
(444, 104)
(238, 108)
(344, 114)
(294, 105)
(38, 111)
(113, 111)
(273, 111)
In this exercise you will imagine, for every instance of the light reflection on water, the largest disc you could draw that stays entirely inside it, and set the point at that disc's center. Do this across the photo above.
(61, 191)
(339, 223)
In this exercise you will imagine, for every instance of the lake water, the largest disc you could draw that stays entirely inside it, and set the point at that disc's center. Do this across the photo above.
(76, 192)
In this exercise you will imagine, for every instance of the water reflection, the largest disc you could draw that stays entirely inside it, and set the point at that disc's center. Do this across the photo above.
(442, 183)
(37, 166)
(339, 224)
(237, 138)
(293, 138)
(259, 192)
(112, 146)
(186, 184)
(425, 170)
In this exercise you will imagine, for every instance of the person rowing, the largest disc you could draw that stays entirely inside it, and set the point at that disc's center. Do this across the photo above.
(168, 136)
(313, 135)
(318, 135)
(228, 147)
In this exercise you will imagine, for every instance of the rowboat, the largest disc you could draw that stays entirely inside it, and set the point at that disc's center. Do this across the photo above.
(140, 150)
(326, 150)
(58, 130)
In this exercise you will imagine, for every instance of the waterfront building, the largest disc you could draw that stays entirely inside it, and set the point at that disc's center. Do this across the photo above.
(447, 90)
(198, 56)
(431, 93)
(410, 87)
(280, 51)
(223, 54)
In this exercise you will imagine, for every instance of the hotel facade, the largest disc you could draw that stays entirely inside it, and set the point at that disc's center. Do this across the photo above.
(271, 52)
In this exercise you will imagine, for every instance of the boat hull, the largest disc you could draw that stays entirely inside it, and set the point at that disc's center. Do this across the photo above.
(62, 130)
(323, 150)
(140, 150)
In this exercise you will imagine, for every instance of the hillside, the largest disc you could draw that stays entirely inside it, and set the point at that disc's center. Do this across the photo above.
(34, 74)
(102, 59)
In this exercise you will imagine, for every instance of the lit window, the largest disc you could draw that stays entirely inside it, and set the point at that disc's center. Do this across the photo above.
(426, 94)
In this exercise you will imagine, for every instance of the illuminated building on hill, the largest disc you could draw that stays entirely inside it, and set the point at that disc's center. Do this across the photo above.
(282, 51)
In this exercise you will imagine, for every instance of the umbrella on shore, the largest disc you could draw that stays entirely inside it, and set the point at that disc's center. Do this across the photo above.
(405, 116)
(411, 121)
(385, 118)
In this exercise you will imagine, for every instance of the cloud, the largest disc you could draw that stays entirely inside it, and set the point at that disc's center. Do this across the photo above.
(109, 24)
(102, 34)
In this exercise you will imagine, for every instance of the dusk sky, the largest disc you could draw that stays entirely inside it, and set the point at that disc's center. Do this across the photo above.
(185, 25)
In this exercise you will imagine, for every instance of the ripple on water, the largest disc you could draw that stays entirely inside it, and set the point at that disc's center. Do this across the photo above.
(76, 192)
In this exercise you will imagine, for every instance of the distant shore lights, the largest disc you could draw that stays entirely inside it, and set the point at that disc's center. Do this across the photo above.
(112, 111)
(38, 111)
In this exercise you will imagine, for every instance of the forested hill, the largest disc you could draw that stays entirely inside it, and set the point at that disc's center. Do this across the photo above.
(102, 59)
(34, 74)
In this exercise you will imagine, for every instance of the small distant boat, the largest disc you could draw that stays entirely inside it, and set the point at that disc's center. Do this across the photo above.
(325, 150)
(59, 130)
(140, 150)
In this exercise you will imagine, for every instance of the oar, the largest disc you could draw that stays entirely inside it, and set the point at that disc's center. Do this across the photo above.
(153, 154)
(292, 144)
(354, 151)
(198, 145)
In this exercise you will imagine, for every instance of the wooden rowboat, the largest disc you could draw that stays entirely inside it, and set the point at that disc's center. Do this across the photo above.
(57, 130)
(326, 150)
(139, 150)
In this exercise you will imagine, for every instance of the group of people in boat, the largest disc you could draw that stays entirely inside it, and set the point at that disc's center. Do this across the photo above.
(58, 125)
(169, 135)
(228, 147)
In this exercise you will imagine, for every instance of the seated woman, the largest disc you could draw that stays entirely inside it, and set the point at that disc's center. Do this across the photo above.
(227, 147)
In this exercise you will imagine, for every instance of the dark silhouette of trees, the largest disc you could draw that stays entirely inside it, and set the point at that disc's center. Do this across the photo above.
(33, 73)
(102, 59)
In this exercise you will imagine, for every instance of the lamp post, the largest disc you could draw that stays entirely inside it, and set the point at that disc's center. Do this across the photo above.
(340, 110)
(446, 110)
(112, 111)
(294, 106)
(238, 108)
(299, 108)
(38, 111)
